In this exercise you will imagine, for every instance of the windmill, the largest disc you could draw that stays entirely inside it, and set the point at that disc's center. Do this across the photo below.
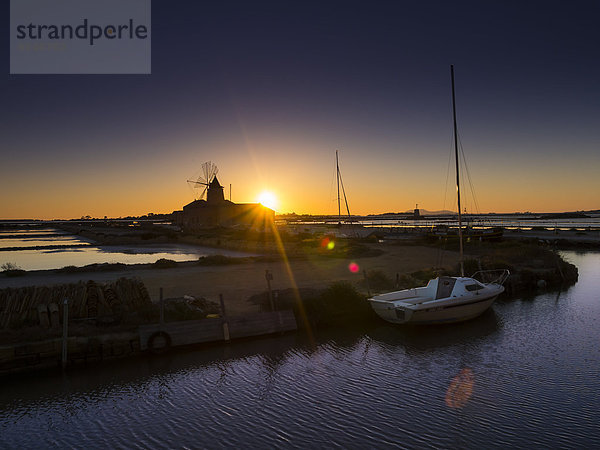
(207, 174)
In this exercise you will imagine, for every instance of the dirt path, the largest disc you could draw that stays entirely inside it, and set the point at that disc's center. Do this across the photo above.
(237, 282)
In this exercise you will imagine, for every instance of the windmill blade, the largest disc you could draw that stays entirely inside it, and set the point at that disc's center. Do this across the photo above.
(198, 187)
(205, 171)
(208, 172)
(202, 183)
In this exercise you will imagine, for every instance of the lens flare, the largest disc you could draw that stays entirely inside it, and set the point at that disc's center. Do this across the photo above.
(327, 243)
(268, 199)
(460, 390)
(353, 267)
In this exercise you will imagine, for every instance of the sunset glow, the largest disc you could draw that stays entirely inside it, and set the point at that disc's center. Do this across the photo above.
(300, 224)
(268, 199)
(120, 146)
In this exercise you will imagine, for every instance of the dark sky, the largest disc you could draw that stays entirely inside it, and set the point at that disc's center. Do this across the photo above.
(269, 91)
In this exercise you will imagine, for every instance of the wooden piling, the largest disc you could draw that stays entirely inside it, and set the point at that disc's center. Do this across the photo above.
(367, 282)
(226, 335)
(162, 307)
(54, 315)
(65, 332)
(269, 277)
(43, 316)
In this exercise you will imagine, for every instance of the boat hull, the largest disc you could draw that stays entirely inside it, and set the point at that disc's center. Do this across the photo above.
(449, 313)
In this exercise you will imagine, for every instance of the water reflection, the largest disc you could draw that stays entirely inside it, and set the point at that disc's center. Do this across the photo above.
(100, 380)
(506, 378)
(420, 339)
(44, 259)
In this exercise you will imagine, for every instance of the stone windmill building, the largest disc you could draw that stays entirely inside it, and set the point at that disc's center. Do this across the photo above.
(215, 211)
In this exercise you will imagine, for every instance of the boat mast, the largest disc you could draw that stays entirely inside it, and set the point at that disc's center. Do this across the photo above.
(340, 182)
(337, 172)
(460, 237)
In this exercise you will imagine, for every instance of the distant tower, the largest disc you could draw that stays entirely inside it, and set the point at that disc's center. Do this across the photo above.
(215, 192)
(417, 213)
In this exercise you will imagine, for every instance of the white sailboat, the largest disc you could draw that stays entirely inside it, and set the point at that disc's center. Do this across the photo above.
(444, 299)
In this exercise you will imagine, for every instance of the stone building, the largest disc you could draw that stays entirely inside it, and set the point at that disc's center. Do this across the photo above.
(215, 211)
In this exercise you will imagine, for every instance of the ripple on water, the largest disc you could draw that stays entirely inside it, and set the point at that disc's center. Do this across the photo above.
(533, 366)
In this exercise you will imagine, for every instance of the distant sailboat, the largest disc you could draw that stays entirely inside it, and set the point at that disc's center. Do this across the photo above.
(340, 182)
(444, 299)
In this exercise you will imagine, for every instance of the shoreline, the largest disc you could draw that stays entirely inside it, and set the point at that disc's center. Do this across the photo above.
(303, 267)
(247, 273)
(238, 279)
(242, 283)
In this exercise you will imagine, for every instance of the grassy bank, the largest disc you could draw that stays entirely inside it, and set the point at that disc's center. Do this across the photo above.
(321, 274)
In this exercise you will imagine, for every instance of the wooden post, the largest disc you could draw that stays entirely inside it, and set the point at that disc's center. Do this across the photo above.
(65, 331)
(367, 281)
(269, 277)
(276, 303)
(224, 319)
(43, 316)
(161, 319)
(54, 315)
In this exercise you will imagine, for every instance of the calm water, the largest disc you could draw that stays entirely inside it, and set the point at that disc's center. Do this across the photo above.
(592, 224)
(526, 375)
(32, 256)
(510, 222)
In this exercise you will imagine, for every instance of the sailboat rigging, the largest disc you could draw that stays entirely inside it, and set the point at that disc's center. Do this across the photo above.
(340, 182)
(444, 299)
(492, 233)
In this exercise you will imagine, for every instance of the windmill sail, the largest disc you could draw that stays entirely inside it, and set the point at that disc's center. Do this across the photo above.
(207, 174)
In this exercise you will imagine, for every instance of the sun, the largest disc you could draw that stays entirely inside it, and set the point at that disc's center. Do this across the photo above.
(268, 199)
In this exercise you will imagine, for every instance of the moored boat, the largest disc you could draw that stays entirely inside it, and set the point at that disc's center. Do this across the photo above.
(444, 299)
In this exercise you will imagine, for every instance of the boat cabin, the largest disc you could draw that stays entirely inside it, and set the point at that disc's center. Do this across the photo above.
(445, 287)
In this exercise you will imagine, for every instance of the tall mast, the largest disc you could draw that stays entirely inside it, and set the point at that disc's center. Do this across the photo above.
(337, 171)
(460, 238)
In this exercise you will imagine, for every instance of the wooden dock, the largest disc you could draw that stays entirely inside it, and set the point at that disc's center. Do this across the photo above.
(159, 337)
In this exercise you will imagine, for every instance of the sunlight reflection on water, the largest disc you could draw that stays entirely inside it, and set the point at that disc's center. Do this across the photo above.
(52, 258)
